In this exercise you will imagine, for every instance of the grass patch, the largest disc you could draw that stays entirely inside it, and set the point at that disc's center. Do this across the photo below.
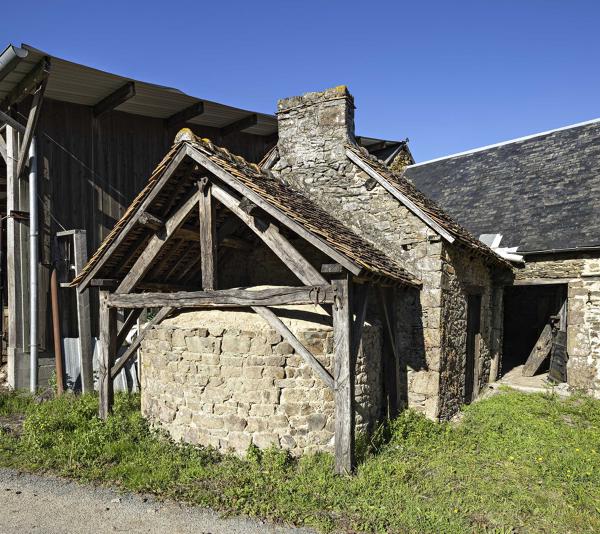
(515, 463)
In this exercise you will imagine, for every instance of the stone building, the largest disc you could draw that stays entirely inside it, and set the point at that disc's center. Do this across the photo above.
(541, 193)
(423, 298)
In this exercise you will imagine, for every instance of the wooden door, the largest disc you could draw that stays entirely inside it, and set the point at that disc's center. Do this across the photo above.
(473, 346)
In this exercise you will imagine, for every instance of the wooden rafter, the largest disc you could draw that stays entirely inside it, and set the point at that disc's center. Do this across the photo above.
(171, 168)
(254, 197)
(271, 236)
(7, 119)
(130, 320)
(158, 240)
(114, 99)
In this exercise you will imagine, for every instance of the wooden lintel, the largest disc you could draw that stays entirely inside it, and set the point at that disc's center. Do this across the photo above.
(36, 76)
(226, 298)
(5, 118)
(131, 350)
(240, 125)
(280, 327)
(115, 99)
(208, 236)
(181, 117)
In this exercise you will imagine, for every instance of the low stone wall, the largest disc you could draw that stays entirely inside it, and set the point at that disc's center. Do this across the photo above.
(233, 381)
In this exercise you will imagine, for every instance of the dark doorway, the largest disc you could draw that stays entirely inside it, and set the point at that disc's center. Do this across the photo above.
(527, 310)
(473, 345)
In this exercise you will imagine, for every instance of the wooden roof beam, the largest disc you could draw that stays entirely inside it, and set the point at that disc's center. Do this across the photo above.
(115, 99)
(5, 118)
(181, 117)
(36, 76)
(240, 125)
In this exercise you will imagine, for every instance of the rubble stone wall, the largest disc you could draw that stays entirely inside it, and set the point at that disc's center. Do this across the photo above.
(224, 379)
(582, 276)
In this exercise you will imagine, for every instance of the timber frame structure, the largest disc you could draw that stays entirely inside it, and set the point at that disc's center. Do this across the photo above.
(201, 193)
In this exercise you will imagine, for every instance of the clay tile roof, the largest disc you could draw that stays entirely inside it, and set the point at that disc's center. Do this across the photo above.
(285, 199)
(428, 206)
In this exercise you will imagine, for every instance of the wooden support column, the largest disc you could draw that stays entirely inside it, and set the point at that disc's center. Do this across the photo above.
(343, 374)
(34, 113)
(208, 236)
(107, 349)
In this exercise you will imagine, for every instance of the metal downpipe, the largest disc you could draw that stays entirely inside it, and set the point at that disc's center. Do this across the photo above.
(33, 268)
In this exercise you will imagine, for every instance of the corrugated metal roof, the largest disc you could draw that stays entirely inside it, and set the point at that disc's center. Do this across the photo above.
(79, 84)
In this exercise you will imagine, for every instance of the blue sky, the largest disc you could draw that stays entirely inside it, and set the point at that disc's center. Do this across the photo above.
(450, 75)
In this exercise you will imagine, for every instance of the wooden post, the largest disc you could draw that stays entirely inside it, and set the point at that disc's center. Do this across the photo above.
(343, 374)
(107, 349)
(208, 236)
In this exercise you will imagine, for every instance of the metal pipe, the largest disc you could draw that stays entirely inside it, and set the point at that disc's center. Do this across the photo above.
(33, 268)
(58, 357)
(10, 58)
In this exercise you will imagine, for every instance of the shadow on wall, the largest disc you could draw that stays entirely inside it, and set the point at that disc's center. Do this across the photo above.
(410, 346)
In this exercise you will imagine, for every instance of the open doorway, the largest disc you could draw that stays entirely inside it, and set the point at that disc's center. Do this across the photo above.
(533, 314)
(473, 347)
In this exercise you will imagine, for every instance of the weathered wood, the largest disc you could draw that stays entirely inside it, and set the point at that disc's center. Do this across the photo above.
(147, 219)
(296, 227)
(171, 168)
(135, 344)
(32, 119)
(271, 236)
(280, 327)
(142, 264)
(130, 320)
(234, 298)
(3, 149)
(86, 347)
(332, 268)
(240, 125)
(115, 99)
(541, 281)
(106, 354)
(36, 76)
(558, 358)
(208, 236)
(9, 121)
(360, 295)
(400, 196)
(539, 353)
(181, 117)
(343, 375)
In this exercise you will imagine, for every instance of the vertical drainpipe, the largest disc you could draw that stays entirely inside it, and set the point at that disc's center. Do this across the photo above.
(33, 268)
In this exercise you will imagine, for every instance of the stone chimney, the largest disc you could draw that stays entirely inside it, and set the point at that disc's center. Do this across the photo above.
(313, 129)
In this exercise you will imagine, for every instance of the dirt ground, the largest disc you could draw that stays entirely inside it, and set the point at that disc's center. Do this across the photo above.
(34, 504)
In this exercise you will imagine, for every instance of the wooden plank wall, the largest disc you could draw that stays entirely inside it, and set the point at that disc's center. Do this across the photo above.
(90, 170)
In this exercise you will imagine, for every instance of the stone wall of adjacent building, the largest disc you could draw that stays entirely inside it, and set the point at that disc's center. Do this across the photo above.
(225, 379)
(313, 131)
(581, 273)
(464, 274)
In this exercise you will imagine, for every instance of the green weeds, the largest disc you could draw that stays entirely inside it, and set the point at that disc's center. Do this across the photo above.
(515, 463)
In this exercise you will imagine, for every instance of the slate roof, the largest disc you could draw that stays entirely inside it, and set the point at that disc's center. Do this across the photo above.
(292, 203)
(428, 206)
(541, 192)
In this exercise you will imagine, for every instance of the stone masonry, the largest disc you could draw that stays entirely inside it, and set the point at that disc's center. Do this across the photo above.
(313, 131)
(225, 379)
(581, 274)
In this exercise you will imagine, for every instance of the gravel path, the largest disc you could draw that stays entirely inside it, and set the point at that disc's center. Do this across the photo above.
(30, 503)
